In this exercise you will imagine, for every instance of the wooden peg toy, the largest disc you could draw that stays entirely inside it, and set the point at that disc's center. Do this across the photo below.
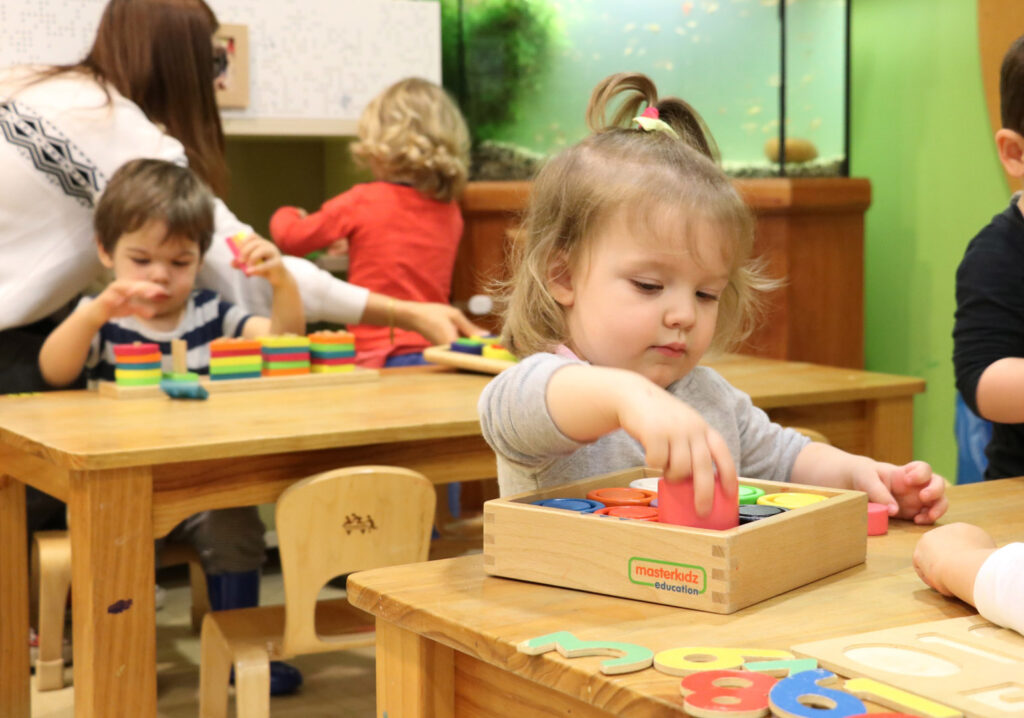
(790, 499)
(236, 359)
(181, 383)
(583, 506)
(631, 657)
(332, 352)
(675, 506)
(639, 513)
(878, 519)
(622, 496)
(138, 364)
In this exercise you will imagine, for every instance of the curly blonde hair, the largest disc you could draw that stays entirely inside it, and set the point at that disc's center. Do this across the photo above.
(413, 132)
(649, 175)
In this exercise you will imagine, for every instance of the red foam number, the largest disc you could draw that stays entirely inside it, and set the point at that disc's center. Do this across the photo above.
(737, 694)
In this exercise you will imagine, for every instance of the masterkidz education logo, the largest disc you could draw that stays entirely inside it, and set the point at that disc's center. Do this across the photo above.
(668, 576)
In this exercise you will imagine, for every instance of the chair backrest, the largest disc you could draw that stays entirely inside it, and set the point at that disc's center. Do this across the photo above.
(343, 521)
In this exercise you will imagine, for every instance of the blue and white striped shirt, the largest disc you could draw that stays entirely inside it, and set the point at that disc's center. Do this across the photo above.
(206, 317)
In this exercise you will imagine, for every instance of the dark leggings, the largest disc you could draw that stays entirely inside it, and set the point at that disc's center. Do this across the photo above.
(19, 373)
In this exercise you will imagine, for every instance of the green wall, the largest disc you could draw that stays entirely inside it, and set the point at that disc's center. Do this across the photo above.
(920, 133)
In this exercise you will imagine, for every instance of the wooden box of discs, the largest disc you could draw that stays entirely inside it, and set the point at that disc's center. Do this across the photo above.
(720, 571)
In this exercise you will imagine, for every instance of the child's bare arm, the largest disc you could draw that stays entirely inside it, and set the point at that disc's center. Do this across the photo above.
(587, 402)
(66, 350)
(912, 491)
(261, 258)
(1000, 393)
(948, 558)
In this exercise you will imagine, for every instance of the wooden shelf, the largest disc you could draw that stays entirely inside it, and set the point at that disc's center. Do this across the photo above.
(287, 126)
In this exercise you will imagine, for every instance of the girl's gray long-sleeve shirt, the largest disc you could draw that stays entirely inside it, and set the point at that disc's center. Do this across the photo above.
(533, 453)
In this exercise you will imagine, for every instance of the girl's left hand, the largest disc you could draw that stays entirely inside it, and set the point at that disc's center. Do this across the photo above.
(912, 492)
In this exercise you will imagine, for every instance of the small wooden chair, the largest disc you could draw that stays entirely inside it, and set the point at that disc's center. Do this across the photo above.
(51, 582)
(328, 525)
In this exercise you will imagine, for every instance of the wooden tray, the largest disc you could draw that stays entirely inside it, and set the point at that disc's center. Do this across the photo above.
(460, 360)
(716, 571)
(966, 663)
(111, 390)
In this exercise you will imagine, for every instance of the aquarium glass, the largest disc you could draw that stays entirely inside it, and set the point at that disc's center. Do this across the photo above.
(523, 69)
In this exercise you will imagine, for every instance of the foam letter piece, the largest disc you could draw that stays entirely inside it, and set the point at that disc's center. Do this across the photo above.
(786, 694)
(782, 669)
(676, 661)
(633, 658)
(736, 694)
(891, 697)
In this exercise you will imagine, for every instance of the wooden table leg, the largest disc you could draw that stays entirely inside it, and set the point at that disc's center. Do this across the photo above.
(112, 580)
(890, 429)
(14, 661)
(415, 676)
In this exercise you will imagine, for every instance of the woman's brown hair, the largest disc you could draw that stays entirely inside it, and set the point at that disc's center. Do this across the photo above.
(159, 54)
(652, 175)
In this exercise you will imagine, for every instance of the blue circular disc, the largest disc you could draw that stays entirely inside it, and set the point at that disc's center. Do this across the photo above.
(584, 506)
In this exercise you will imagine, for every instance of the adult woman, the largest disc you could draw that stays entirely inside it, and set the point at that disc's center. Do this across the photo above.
(145, 89)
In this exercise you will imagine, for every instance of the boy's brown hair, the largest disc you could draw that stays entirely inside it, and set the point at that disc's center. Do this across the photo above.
(149, 189)
(1011, 87)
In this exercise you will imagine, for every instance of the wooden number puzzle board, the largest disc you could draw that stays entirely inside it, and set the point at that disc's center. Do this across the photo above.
(716, 571)
(965, 663)
(302, 381)
(460, 360)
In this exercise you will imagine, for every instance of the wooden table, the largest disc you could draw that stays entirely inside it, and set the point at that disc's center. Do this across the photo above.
(861, 412)
(131, 469)
(447, 632)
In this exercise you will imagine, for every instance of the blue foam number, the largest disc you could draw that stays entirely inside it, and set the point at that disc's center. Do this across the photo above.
(785, 697)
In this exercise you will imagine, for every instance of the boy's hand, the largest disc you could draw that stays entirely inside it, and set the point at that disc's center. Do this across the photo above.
(678, 441)
(940, 549)
(912, 492)
(125, 297)
(260, 257)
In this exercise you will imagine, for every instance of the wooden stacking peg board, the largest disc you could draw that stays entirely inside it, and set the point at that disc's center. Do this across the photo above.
(965, 663)
(303, 381)
(717, 571)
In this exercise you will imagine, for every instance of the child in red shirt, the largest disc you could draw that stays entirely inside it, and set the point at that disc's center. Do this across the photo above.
(401, 231)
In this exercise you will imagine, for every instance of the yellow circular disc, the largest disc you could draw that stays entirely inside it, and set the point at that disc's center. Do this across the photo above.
(791, 500)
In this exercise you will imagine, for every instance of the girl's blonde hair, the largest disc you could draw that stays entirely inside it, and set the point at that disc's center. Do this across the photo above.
(413, 132)
(652, 176)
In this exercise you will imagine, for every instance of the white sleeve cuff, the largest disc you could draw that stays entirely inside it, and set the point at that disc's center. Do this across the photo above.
(999, 587)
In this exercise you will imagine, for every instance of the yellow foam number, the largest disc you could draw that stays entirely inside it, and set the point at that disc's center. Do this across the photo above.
(895, 698)
(632, 658)
(694, 659)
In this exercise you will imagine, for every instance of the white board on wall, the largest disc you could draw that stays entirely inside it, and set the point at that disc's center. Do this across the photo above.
(309, 59)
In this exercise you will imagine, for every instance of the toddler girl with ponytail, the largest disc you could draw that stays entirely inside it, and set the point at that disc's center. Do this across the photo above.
(633, 261)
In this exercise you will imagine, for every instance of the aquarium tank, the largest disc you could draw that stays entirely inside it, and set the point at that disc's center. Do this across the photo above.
(764, 74)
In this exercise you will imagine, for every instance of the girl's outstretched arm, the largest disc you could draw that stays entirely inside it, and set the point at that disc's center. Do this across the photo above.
(587, 402)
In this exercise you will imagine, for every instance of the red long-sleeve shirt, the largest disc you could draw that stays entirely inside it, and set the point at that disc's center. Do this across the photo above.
(401, 243)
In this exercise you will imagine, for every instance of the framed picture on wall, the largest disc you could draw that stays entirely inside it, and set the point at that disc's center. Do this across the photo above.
(231, 66)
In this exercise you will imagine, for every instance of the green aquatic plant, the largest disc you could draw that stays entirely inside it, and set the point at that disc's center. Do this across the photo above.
(493, 52)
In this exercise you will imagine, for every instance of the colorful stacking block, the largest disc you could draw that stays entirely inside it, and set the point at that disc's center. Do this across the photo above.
(473, 345)
(332, 352)
(497, 351)
(138, 364)
(236, 359)
(286, 355)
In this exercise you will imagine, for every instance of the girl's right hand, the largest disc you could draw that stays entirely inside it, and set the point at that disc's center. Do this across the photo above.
(678, 441)
(126, 297)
